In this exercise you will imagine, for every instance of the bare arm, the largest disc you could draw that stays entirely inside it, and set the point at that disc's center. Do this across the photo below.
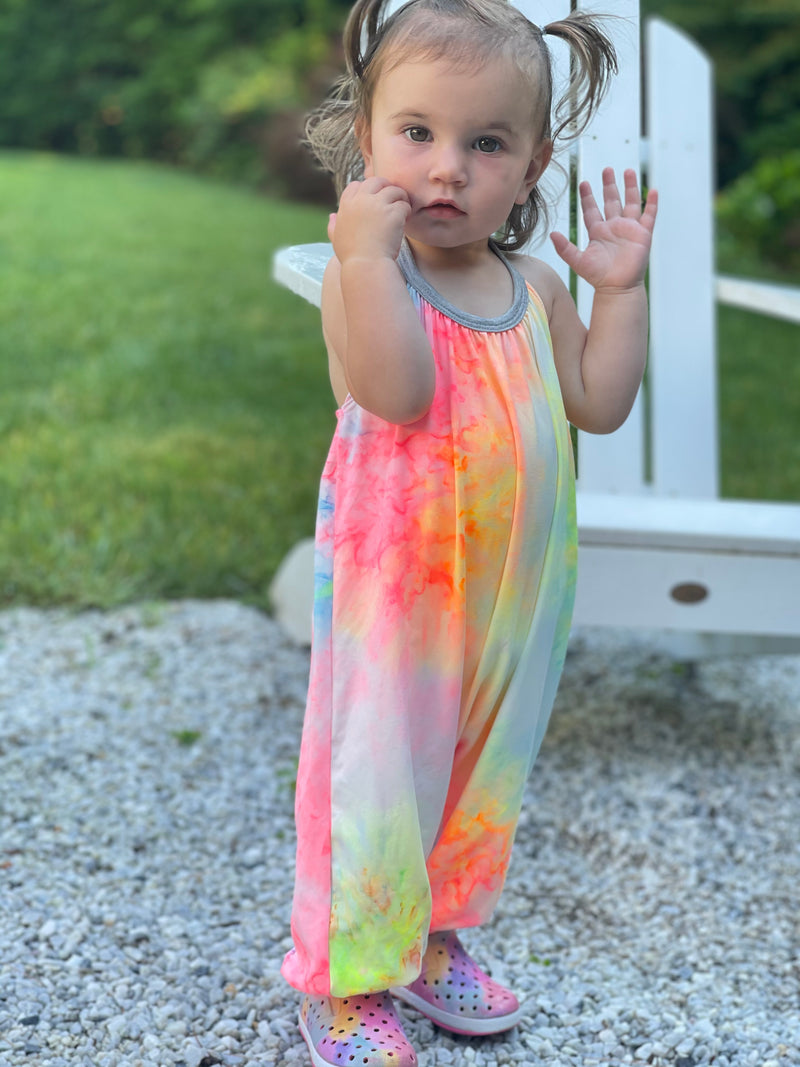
(374, 337)
(600, 369)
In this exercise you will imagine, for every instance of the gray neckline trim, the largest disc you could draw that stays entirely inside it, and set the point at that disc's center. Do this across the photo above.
(507, 321)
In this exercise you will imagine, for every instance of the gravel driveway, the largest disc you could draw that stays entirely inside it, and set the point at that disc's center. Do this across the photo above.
(147, 759)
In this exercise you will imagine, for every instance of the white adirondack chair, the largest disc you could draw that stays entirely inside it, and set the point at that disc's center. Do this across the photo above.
(659, 550)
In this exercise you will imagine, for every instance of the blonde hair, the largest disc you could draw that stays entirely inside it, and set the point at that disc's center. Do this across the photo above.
(464, 32)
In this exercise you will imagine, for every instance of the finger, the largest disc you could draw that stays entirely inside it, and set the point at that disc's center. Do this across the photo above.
(331, 225)
(648, 219)
(591, 212)
(633, 198)
(612, 203)
(363, 187)
(394, 194)
(386, 188)
(565, 248)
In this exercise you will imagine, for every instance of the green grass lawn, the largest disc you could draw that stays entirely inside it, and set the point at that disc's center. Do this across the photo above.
(165, 409)
(759, 392)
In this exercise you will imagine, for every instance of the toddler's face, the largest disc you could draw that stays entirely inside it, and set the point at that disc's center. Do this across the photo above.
(461, 143)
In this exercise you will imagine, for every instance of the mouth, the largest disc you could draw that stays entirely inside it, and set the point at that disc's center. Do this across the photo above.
(443, 209)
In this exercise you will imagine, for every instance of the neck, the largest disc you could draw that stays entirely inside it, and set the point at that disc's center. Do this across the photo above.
(472, 278)
(463, 258)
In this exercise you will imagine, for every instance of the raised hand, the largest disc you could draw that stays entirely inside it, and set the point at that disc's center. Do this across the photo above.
(370, 221)
(615, 259)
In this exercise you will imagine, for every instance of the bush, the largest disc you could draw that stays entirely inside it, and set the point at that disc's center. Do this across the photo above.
(761, 210)
(244, 120)
(184, 81)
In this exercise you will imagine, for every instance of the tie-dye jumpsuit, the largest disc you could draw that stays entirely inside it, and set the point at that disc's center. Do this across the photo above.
(445, 568)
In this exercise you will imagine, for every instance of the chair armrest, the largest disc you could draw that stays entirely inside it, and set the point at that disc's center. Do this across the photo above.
(726, 526)
(765, 298)
(300, 269)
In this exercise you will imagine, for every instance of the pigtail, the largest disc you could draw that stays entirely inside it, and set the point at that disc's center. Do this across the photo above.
(360, 34)
(594, 61)
(330, 138)
(331, 130)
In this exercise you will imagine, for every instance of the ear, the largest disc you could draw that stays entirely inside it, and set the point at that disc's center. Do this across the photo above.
(364, 138)
(541, 157)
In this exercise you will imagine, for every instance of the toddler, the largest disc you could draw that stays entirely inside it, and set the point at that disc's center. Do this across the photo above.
(446, 541)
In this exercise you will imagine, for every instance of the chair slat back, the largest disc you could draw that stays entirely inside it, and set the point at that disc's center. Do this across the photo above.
(613, 463)
(682, 373)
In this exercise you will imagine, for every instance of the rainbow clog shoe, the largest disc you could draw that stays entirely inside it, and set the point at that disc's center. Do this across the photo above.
(355, 1031)
(456, 994)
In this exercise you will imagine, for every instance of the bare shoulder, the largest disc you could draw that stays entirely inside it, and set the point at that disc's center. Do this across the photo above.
(541, 277)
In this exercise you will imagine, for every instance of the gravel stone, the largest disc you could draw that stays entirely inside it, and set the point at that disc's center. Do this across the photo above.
(148, 758)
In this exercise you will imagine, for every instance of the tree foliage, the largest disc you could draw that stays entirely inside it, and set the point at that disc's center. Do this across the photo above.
(119, 77)
(755, 45)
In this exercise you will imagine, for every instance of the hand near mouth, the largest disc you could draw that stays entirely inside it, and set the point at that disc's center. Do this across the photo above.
(370, 221)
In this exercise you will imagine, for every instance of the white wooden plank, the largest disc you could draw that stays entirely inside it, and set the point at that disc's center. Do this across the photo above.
(633, 587)
(556, 184)
(613, 463)
(765, 298)
(717, 525)
(682, 374)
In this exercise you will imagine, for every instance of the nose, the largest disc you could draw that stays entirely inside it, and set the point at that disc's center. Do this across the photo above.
(448, 165)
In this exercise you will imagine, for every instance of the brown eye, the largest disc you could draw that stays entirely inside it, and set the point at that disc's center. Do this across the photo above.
(418, 134)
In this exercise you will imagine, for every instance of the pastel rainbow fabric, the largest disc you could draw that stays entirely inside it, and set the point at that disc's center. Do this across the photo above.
(445, 568)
